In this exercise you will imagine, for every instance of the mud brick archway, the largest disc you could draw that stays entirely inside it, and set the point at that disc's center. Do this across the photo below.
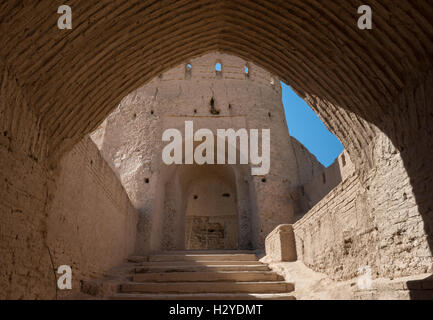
(58, 85)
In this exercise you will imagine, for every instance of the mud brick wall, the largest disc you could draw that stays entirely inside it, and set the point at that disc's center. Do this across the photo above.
(367, 221)
(214, 232)
(77, 211)
(92, 223)
(25, 270)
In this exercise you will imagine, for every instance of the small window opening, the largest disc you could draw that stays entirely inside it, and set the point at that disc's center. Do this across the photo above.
(151, 112)
(324, 177)
(134, 116)
(218, 70)
(247, 71)
(264, 180)
(195, 197)
(195, 110)
(188, 71)
(226, 195)
(146, 180)
(269, 114)
(302, 190)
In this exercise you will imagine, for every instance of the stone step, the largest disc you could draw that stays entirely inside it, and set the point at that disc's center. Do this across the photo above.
(220, 251)
(202, 257)
(201, 263)
(203, 296)
(199, 268)
(217, 251)
(138, 259)
(253, 276)
(207, 287)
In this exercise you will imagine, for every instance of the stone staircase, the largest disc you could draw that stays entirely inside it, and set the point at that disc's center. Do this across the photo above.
(192, 275)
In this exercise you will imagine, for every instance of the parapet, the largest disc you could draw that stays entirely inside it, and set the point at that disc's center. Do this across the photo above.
(280, 244)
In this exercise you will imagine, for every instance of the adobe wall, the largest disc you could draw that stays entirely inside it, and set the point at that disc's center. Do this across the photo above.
(307, 164)
(316, 181)
(130, 139)
(91, 222)
(175, 181)
(216, 227)
(321, 184)
(90, 225)
(366, 221)
(307, 169)
(25, 268)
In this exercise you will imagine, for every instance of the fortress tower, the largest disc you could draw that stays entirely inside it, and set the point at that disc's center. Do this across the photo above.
(203, 206)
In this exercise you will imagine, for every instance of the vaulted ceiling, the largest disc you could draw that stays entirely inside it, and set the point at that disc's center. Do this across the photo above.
(351, 77)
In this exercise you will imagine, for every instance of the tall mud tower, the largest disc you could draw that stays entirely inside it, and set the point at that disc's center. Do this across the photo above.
(202, 206)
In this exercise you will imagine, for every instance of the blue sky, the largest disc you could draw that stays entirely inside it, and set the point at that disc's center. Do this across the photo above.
(307, 127)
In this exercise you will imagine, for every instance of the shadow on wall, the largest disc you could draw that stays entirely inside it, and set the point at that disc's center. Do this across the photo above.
(421, 179)
(415, 144)
(421, 289)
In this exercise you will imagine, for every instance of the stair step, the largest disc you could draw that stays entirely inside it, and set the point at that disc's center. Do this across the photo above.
(254, 276)
(199, 268)
(202, 257)
(195, 275)
(201, 263)
(138, 259)
(207, 287)
(217, 251)
(203, 296)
